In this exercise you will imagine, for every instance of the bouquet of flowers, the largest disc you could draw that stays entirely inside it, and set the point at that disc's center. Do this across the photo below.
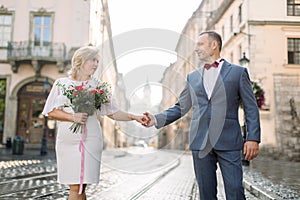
(85, 98)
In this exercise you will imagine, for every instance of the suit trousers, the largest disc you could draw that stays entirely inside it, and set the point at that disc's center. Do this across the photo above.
(231, 169)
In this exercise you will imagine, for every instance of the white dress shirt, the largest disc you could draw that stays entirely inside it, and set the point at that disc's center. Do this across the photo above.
(209, 80)
(210, 77)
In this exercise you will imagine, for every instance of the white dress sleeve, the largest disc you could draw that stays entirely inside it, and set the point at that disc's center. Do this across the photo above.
(109, 108)
(55, 99)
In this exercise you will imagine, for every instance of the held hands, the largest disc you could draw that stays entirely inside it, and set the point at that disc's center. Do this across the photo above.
(250, 150)
(146, 119)
(80, 118)
(140, 118)
(150, 119)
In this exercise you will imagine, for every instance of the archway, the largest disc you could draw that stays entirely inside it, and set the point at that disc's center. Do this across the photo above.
(30, 121)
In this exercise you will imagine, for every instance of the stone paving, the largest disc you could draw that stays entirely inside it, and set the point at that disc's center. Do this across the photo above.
(177, 185)
(35, 178)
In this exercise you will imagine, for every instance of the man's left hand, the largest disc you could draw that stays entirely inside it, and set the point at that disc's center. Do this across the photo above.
(251, 149)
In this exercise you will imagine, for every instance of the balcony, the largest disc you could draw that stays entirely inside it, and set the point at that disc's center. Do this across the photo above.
(28, 52)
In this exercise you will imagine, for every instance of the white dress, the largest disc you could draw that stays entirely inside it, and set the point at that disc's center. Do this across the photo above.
(68, 154)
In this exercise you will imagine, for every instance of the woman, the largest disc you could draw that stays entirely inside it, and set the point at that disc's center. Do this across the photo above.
(79, 153)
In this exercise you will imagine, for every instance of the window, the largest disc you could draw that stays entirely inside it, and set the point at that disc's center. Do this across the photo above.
(5, 29)
(293, 7)
(231, 23)
(2, 106)
(42, 30)
(240, 14)
(223, 32)
(293, 50)
(41, 33)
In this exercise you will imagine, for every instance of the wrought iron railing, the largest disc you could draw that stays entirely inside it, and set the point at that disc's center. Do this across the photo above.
(28, 50)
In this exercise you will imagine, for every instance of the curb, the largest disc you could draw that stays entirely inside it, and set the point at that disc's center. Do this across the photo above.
(257, 192)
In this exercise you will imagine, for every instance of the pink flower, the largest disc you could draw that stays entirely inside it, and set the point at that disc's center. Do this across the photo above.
(80, 87)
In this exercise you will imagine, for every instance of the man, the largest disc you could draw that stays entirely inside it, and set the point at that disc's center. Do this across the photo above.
(215, 94)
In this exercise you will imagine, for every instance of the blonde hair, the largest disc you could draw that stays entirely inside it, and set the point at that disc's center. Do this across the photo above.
(80, 56)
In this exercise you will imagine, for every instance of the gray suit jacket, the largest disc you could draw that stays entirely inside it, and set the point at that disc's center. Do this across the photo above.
(216, 119)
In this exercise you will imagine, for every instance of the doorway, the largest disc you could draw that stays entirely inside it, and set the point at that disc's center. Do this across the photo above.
(31, 123)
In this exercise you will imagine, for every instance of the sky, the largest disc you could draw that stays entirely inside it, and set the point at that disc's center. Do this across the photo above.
(164, 18)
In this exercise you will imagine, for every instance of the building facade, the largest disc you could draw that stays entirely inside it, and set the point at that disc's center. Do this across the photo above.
(37, 41)
(270, 40)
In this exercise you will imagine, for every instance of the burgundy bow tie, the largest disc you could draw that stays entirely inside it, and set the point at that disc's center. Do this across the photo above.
(215, 65)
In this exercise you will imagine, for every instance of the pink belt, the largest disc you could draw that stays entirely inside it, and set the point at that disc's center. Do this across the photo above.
(81, 149)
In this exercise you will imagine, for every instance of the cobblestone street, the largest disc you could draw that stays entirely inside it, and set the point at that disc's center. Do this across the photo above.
(35, 178)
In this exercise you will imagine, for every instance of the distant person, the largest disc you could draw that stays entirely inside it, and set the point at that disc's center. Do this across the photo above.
(79, 153)
(215, 92)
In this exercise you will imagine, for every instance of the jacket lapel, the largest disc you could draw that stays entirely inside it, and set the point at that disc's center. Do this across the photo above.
(197, 81)
(202, 83)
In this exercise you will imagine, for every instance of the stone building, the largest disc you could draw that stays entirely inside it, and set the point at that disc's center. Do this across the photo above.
(140, 101)
(269, 39)
(38, 39)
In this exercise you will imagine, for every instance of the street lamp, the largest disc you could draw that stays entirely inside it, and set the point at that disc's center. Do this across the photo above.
(244, 63)
(44, 139)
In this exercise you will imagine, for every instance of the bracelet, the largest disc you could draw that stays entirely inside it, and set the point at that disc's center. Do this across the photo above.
(73, 115)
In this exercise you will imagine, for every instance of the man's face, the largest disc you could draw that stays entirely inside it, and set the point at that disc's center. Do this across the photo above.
(204, 48)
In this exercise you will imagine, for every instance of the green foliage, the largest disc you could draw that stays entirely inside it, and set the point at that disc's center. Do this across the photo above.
(259, 94)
